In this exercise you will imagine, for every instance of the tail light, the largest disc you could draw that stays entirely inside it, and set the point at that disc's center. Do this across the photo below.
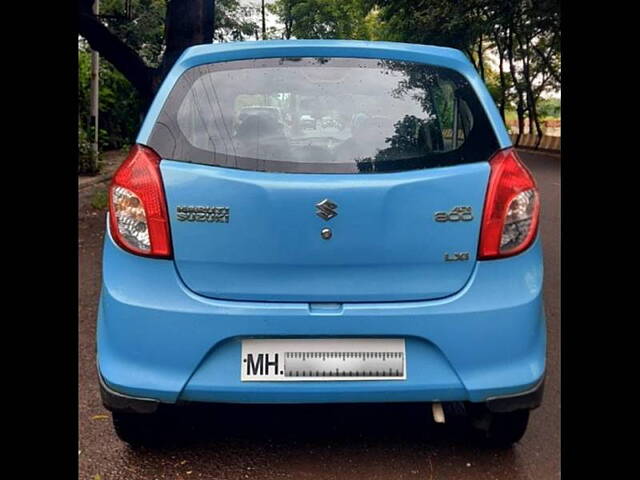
(137, 207)
(511, 209)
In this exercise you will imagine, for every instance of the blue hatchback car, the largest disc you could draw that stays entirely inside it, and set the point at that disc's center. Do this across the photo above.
(386, 252)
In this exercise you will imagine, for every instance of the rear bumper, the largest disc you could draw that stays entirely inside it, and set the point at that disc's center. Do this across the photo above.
(119, 402)
(159, 341)
(528, 399)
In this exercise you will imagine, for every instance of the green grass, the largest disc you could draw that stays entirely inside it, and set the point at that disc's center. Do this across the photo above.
(99, 200)
(510, 115)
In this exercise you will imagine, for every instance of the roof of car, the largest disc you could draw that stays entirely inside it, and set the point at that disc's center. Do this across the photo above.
(198, 50)
(223, 52)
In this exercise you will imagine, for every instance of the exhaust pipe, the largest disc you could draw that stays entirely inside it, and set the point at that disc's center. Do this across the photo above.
(438, 412)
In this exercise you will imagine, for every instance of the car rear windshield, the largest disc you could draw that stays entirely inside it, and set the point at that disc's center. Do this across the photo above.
(323, 115)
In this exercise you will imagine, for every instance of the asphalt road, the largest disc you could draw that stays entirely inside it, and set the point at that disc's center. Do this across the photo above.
(320, 442)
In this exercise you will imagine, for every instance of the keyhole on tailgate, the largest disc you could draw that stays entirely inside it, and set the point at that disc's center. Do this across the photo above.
(326, 233)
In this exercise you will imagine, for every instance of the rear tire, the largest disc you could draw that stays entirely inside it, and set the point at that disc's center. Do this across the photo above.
(139, 430)
(502, 430)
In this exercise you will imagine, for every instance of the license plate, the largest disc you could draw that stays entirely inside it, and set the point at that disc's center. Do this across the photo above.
(323, 359)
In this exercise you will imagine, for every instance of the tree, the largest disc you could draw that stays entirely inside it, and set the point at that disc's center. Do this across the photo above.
(323, 18)
(144, 41)
(456, 24)
(138, 46)
(186, 23)
(234, 22)
(119, 109)
(532, 33)
(549, 107)
(524, 33)
(283, 9)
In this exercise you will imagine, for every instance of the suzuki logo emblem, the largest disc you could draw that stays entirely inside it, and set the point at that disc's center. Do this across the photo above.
(326, 209)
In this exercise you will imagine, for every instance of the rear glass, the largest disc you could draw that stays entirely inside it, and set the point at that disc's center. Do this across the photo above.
(323, 115)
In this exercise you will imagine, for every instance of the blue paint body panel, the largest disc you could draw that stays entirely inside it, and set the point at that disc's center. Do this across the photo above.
(158, 339)
(385, 244)
(172, 329)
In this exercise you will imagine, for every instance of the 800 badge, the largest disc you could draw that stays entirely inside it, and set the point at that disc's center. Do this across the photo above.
(457, 214)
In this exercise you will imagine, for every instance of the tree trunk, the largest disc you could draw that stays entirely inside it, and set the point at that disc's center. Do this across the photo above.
(288, 25)
(264, 24)
(114, 50)
(503, 81)
(288, 22)
(213, 20)
(480, 62)
(188, 22)
(516, 83)
(524, 46)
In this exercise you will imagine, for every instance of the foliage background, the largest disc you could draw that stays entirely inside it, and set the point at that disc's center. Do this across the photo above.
(522, 35)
